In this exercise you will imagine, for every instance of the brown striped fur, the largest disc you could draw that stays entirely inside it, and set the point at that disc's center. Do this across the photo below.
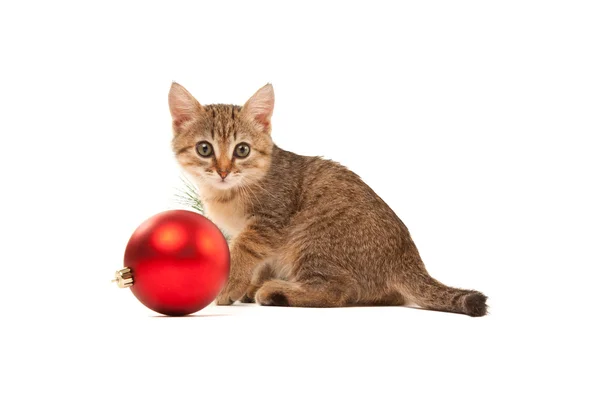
(306, 231)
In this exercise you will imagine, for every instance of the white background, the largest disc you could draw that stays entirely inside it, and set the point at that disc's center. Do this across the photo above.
(477, 122)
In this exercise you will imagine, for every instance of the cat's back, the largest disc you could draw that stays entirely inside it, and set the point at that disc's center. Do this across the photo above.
(333, 208)
(310, 171)
(323, 185)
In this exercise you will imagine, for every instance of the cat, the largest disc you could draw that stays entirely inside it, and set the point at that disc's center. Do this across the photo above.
(305, 231)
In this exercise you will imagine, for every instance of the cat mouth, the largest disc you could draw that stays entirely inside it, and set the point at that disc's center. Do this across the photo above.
(224, 184)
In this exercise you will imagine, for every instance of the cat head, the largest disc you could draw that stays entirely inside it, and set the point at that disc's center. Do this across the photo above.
(222, 147)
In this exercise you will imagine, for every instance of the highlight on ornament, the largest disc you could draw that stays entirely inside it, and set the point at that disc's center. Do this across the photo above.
(176, 263)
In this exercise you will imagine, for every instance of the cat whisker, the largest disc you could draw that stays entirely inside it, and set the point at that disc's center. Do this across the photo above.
(248, 188)
(249, 192)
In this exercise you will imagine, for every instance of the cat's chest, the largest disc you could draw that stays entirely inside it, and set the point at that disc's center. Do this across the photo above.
(228, 216)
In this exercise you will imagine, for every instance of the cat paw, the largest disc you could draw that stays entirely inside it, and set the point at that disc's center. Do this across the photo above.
(230, 294)
(276, 298)
(247, 299)
(223, 300)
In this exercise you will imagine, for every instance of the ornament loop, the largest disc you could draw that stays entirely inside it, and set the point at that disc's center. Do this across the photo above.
(124, 278)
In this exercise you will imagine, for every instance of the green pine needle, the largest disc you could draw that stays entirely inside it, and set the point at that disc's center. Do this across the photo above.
(189, 197)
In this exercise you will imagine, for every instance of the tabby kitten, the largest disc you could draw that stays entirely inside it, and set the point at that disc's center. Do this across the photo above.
(306, 232)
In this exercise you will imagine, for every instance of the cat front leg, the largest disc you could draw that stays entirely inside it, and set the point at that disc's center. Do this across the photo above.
(249, 250)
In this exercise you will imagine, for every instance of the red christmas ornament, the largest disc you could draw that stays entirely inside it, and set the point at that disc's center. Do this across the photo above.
(176, 263)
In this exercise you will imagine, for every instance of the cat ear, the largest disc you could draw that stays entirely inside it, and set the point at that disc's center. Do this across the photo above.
(184, 107)
(259, 107)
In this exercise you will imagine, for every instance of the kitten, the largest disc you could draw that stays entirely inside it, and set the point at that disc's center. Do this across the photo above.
(306, 232)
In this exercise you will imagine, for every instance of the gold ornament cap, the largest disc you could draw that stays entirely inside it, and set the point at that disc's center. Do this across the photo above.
(124, 278)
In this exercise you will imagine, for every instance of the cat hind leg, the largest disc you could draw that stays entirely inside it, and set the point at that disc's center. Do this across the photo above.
(389, 299)
(302, 294)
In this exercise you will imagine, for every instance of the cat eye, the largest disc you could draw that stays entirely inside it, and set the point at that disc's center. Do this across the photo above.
(242, 150)
(204, 149)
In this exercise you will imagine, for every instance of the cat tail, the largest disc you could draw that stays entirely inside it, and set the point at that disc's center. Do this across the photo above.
(429, 293)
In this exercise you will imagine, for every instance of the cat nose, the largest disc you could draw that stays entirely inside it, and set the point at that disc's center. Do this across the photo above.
(223, 173)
